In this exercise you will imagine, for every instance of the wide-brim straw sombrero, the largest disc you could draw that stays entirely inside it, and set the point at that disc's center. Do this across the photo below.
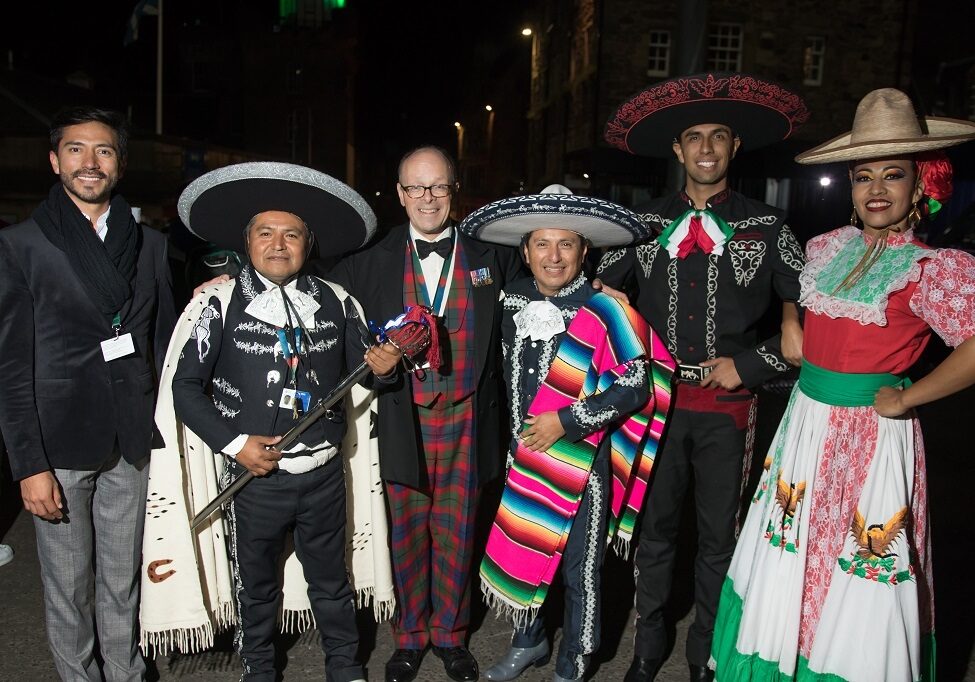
(218, 205)
(757, 110)
(602, 222)
(885, 125)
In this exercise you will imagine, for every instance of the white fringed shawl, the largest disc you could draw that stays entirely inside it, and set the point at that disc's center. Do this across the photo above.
(195, 598)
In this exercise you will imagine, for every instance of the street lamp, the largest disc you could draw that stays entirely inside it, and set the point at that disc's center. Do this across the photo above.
(488, 107)
(460, 140)
(526, 31)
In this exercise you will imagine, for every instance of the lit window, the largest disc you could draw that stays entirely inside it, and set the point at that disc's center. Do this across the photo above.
(812, 60)
(724, 47)
(658, 58)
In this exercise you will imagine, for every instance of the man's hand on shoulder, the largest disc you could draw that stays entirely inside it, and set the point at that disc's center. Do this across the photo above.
(723, 374)
(42, 496)
(256, 457)
(599, 285)
(219, 279)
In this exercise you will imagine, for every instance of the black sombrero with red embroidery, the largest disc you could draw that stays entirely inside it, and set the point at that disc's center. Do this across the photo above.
(758, 111)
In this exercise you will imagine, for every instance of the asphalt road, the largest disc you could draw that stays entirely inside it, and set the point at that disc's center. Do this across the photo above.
(951, 467)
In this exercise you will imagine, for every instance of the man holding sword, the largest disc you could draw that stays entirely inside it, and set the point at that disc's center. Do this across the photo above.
(256, 360)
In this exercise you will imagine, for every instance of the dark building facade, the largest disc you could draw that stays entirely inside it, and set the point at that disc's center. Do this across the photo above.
(588, 56)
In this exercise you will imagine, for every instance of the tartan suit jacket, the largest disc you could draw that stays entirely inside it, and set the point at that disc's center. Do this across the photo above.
(376, 277)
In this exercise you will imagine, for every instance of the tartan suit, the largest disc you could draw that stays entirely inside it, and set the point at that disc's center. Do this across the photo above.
(415, 459)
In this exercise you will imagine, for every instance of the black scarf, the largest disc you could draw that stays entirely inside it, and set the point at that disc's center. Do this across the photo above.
(107, 269)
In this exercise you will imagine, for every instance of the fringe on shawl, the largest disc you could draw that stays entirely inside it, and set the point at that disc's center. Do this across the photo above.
(621, 546)
(503, 607)
(382, 610)
(186, 640)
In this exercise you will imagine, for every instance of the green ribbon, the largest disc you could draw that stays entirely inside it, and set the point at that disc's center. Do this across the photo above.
(845, 389)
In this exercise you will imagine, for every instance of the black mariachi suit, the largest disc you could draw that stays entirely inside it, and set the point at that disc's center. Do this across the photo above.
(240, 357)
(704, 306)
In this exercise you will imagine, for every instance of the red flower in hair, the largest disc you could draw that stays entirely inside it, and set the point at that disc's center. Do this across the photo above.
(935, 172)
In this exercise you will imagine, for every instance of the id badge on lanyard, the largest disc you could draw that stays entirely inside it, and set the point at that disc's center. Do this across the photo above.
(118, 346)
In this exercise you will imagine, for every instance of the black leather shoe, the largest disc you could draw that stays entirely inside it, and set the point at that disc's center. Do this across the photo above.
(701, 673)
(457, 662)
(403, 665)
(643, 669)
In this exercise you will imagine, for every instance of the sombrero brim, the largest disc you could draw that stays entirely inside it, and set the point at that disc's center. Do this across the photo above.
(217, 206)
(942, 132)
(603, 223)
(758, 111)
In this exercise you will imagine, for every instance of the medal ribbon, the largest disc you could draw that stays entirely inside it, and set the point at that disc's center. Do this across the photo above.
(419, 282)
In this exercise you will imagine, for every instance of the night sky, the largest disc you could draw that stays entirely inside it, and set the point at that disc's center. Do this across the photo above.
(418, 56)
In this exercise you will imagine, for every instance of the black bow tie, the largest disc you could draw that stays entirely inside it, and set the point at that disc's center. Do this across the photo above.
(442, 248)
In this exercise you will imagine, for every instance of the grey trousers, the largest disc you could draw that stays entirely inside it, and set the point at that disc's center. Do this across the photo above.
(90, 564)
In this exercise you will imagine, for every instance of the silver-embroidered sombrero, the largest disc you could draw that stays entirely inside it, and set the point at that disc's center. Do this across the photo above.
(217, 206)
(885, 124)
(602, 222)
(757, 110)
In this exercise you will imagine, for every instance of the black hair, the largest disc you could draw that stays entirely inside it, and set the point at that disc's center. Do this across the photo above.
(72, 116)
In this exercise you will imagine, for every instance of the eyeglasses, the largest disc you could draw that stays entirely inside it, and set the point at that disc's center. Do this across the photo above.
(417, 191)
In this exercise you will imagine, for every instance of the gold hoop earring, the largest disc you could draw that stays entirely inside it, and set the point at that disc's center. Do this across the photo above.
(853, 218)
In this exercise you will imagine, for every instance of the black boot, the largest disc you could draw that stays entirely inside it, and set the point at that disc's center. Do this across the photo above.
(643, 669)
(701, 673)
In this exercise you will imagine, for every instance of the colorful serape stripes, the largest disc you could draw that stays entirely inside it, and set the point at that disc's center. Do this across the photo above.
(544, 489)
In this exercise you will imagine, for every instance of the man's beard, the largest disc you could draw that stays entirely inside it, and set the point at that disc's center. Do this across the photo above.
(89, 196)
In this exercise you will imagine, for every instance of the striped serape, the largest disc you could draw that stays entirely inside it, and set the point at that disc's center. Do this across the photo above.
(544, 489)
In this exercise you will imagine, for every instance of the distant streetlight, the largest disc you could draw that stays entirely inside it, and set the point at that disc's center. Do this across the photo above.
(824, 181)
(585, 175)
(488, 107)
(457, 124)
(526, 31)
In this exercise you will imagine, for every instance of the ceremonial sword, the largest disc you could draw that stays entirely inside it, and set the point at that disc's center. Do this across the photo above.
(411, 333)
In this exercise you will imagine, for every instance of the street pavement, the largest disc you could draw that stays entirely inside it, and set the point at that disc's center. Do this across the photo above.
(24, 655)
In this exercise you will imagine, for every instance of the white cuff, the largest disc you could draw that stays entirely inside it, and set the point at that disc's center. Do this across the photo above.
(234, 447)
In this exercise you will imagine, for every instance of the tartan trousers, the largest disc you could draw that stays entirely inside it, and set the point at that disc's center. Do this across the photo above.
(433, 533)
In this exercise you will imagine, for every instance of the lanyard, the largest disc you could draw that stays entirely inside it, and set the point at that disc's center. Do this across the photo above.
(117, 323)
(439, 299)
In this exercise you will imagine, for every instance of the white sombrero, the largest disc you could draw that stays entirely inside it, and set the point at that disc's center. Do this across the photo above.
(603, 223)
(885, 124)
(217, 206)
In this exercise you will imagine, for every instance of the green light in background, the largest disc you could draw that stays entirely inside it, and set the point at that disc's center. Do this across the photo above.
(288, 8)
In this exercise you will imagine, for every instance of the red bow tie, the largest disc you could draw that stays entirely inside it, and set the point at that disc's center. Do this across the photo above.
(697, 237)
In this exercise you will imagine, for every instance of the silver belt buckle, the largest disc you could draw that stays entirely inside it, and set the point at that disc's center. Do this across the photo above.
(692, 374)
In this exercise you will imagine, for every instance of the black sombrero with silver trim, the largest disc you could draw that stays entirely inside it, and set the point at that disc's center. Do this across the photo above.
(757, 110)
(602, 222)
(217, 206)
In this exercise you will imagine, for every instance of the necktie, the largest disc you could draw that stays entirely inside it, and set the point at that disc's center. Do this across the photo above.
(442, 247)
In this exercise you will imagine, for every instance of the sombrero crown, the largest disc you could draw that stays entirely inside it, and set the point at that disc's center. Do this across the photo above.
(603, 223)
(759, 112)
(218, 205)
(885, 124)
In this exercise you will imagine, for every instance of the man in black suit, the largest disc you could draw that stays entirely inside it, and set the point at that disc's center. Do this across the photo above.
(87, 300)
(439, 430)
